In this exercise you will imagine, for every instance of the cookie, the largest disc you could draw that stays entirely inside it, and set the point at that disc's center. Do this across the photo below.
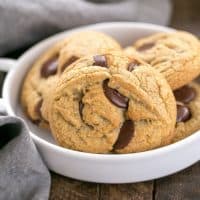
(175, 55)
(188, 110)
(85, 43)
(45, 71)
(110, 103)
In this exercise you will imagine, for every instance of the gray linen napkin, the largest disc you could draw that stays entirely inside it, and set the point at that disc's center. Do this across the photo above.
(22, 22)
(22, 172)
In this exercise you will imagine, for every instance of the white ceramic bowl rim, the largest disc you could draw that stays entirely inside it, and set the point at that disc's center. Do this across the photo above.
(154, 152)
(79, 154)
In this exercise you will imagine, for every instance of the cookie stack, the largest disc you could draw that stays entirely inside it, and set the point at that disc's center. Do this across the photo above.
(96, 97)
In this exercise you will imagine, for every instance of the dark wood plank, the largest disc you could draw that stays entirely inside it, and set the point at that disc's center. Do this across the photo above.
(186, 15)
(184, 185)
(66, 188)
(137, 191)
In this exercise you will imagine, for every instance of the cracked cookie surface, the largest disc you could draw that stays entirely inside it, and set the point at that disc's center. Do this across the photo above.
(175, 55)
(47, 69)
(110, 103)
(85, 43)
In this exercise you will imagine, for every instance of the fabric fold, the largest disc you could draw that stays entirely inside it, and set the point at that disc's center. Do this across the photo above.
(23, 174)
(26, 22)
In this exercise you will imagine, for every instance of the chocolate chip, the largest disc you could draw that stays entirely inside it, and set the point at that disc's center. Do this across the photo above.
(125, 135)
(133, 65)
(114, 96)
(69, 62)
(38, 108)
(145, 47)
(183, 113)
(185, 94)
(36, 122)
(100, 60)
(49, 67)
(81, 108)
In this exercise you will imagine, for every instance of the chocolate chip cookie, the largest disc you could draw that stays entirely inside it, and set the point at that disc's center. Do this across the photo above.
(111, 103)
(188, 110)
(85, 43)
(175, 55)
(46, 70)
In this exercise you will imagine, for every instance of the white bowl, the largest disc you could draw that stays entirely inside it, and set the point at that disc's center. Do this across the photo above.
(125, 168)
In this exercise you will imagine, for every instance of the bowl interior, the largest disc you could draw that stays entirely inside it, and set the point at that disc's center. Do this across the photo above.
(125, 33)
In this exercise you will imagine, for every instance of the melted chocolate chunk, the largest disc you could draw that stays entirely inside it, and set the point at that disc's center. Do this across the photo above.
(114, 96)
(69, 62)
(133, 65)
(36, 122)
(38, 108)
(185, 94)
(49, 67)
(183, 113)
(81, 108)
(100, 60)
(146, 47)
(125, 135)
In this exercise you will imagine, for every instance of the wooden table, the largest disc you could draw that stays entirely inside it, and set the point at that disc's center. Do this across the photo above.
(184, 185)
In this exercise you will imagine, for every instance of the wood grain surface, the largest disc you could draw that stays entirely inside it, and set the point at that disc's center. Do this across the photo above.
(65, 188)
(183, 185)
